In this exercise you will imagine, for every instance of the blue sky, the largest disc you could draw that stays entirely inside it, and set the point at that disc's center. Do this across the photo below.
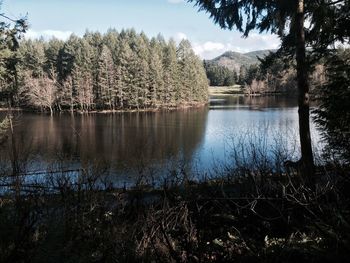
(172, 18)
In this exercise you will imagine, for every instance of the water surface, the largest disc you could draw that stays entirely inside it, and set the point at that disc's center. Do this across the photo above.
(196, 141)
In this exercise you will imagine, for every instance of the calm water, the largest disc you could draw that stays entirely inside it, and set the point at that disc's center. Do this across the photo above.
(196, 140)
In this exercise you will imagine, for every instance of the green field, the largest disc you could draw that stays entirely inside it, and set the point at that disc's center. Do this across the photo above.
(225, 90)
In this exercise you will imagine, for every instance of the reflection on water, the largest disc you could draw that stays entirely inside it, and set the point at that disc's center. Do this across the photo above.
(253, 103)
(121, 140)
(126, 141)
(267, 123)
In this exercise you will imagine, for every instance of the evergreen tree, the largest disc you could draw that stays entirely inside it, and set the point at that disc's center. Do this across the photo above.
(140, 71)
(33, 56)
(82, 75)
(111, 40)
(171, 80)
(186, 61)
(11, 31)
(106, 79)
(52, 50)
(219, 75)
(242, 75)
(333, 114)
(201, 82)
(156, 82)
(123, 73)
(67, 56)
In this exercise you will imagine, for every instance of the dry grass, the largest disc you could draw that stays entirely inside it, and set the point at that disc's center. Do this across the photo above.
(225, 90)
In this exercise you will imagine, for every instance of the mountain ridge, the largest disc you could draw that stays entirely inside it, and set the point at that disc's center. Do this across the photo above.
(234, 60)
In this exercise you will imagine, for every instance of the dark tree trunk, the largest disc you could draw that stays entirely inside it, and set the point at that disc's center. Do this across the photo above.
(307, 160)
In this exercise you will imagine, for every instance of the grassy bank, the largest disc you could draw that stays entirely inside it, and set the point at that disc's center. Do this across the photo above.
(225, 90)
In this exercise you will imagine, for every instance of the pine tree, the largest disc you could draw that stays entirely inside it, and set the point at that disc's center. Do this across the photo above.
(111, 40)
(189, 65)
(11, 31)
(67, 56)
(52, 50)
(106, 79)
(201, 82)
(82, 75)
(123, 76)
(141, 71)
(171, 81)
(333, 113)
(33, 57)
(156, 82)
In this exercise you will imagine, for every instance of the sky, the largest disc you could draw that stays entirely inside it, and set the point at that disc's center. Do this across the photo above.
(172, 18)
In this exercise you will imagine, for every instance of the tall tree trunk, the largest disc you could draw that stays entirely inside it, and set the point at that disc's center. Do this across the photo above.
(307, 160)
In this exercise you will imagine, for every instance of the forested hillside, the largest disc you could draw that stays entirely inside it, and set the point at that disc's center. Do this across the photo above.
(220, 75)
(235, 60)
(108, 71)
(260, 77)
(231, 67)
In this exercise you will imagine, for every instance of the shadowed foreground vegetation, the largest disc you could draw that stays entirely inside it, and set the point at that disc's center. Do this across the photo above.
(263, 213)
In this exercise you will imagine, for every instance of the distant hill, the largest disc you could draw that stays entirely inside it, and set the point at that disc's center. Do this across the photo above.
(234, 60)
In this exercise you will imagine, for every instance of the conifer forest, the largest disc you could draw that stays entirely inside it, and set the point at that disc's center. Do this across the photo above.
(112, 71)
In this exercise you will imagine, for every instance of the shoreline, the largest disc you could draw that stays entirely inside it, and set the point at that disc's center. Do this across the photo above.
(13, 109)
(239, 91)
(76, 111)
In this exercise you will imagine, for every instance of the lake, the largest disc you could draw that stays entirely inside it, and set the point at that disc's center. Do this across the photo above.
(231, 131)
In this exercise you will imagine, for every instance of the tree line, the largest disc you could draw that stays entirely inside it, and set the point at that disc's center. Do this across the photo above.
(109, 71)
(220, 75)
(280, 76)
(264, 77)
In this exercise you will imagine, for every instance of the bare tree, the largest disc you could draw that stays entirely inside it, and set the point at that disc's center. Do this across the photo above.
(40, 92)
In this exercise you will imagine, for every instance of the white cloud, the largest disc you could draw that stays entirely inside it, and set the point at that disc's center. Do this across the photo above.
(180, 36)
(264, 41)
(48, 34)
(176, 1)
(210, 49)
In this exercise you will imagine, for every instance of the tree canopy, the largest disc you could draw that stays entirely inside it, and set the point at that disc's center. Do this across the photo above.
(328, 20)
(220, 75)
(11, 31)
